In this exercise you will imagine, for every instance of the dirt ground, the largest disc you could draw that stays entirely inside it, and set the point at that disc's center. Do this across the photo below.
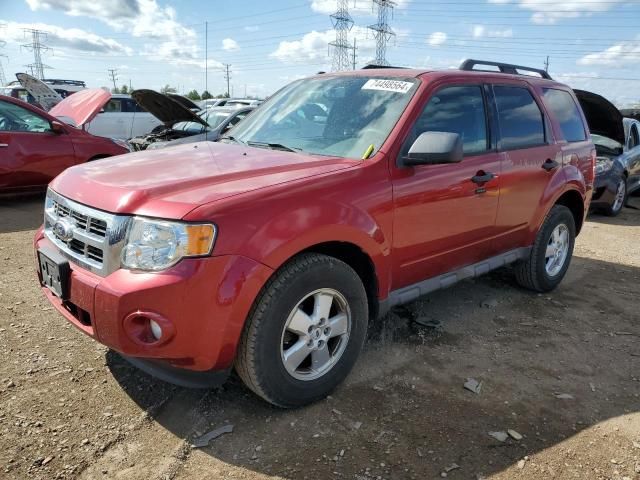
(562, 370)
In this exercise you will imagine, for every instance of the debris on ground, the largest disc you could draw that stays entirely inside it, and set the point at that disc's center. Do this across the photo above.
(489, 303)
(428, 322)
(204, 440)
(473, 385)
(563, 396)
(592, 386)
(513, 434)
(500, 436)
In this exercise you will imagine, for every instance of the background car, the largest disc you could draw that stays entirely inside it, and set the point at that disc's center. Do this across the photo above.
(35, 146)
(122, 118)
(617, 142)
(220, 120)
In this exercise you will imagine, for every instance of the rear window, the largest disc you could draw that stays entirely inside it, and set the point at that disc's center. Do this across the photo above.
(564, 108)
(520, 118)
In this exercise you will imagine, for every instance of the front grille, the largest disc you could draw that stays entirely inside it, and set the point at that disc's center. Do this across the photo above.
(97, 237)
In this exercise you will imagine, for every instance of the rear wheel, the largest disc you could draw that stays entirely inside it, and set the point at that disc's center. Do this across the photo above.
(304, 332)
(620, 199)
(551, 253)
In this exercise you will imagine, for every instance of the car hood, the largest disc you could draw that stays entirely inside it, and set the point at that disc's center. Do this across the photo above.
(184, 101)
(82, 106)
(602, 116)
(164, 108)
(171, 182)
(46, 96)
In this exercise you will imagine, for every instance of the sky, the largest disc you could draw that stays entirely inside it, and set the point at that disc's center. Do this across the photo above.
(591, 44)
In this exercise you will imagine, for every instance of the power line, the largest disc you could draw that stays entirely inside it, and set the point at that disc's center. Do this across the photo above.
(37, 47)
(113, 73)
(342, 24)
(227, 76)
(382, 32)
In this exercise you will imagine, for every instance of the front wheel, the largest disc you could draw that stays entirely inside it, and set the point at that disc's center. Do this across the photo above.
(304, 332)
(619, 200)
(551, 253)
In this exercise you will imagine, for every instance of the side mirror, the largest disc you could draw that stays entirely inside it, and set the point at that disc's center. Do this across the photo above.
(57, 128)
(434, 147)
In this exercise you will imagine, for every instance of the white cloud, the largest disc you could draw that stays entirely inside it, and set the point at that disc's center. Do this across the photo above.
(551, 11)
(620, 55)
(170, 39)
(67, 38)
(356, 7)
(437, 38)
(314, 46)
(479, 31)
(230, 44)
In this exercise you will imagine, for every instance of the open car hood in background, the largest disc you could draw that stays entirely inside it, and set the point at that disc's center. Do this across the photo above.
(164, 108)
(82, 106)
(46, 96)
(184, 101)
(602, 116)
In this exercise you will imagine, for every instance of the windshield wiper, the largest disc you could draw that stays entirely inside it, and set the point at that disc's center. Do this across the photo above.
(273, 146)
(233, 139)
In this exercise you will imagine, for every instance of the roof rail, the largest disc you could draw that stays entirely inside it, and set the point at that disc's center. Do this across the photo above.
(77, 83)
(503, 67)
(372, 66)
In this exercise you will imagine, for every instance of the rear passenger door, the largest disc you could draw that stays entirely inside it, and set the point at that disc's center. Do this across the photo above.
(443, 219)
(143, 122)
(530, 162)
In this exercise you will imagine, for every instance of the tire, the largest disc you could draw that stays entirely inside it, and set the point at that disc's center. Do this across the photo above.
(620, 200)
(535, 273)
(269, 335)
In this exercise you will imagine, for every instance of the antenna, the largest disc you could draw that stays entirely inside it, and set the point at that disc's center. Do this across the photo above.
(37, 47)
(342, 24)
(382, 32)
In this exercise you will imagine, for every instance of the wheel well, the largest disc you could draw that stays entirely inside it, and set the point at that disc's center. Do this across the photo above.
(353, 256)
(573, 201)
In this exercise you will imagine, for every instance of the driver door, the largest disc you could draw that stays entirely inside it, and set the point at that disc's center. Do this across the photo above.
(444, 218)
(31, 155)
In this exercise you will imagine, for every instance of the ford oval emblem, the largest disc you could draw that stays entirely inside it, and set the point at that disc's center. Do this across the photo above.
(63, 229)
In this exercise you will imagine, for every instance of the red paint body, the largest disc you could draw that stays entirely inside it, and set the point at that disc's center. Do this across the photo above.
(32, 159)
(412, 222)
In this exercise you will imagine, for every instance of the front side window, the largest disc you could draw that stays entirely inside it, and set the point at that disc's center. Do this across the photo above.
(14, 118)
(343, 116)
(521, 121)
(566, 112)
(458, 110)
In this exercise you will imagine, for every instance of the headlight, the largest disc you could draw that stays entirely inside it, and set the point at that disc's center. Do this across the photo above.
(603, 164)
(156, 145)
(157, 244)
(121, 143)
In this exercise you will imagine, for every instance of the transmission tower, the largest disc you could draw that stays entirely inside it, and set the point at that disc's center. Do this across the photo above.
(382, 32)
(227, 77)
(36, 46)
(113, 74)
(342, 24)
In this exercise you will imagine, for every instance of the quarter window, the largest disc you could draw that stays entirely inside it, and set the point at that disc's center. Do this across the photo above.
(521, 121)
(566, 111)
(634, 137)
(457, 110)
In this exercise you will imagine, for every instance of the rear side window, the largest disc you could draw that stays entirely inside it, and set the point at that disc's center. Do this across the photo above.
(564, 108)
(457, 110)
(634, 137)
(113, 106)
(520, 118)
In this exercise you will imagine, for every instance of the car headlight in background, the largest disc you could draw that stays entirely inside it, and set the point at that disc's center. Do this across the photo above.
(603, 164)
(154, 245)
(157, 145)
(121, 143)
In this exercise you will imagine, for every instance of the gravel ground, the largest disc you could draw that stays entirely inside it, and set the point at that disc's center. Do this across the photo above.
(561, 370)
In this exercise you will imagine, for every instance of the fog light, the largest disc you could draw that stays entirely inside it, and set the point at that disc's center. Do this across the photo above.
(156, 331)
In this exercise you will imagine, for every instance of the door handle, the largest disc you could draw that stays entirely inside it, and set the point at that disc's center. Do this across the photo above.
(482, 177)
(549, 165)
(4, 145)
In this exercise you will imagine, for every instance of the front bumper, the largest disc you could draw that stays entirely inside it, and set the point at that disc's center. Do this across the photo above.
(203, 301)
(604, 188)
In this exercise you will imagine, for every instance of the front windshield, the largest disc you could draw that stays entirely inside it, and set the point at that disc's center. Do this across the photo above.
(606, 142)
(212, 117)
(343, 116)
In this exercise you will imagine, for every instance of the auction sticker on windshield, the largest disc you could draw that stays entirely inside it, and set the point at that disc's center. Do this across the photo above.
(397, 86)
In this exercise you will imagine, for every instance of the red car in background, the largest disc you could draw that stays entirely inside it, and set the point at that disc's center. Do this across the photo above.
(36, 146)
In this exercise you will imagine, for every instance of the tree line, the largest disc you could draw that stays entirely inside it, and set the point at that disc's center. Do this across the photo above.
(193, 94)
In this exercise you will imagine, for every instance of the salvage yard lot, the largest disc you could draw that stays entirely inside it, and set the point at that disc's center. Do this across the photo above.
(71, 409)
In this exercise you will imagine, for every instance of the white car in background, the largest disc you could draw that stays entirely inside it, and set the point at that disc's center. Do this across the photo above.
(122, 118)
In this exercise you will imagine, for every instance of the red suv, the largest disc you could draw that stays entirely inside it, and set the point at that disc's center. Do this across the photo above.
(343, 195)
